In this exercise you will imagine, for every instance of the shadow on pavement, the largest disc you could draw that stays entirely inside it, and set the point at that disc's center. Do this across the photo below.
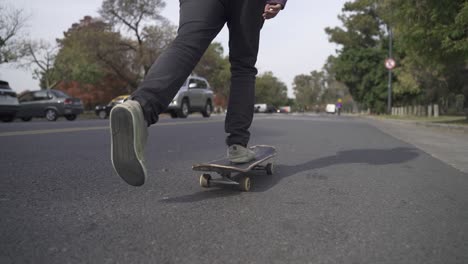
(375, 157)
(262, 182)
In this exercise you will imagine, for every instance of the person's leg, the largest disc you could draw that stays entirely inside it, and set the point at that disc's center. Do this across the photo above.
(200, 22)
(245, 22)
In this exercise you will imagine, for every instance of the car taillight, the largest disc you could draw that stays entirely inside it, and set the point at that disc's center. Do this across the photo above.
(68, 101)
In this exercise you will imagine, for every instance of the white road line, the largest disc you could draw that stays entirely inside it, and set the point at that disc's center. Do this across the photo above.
(78, 129)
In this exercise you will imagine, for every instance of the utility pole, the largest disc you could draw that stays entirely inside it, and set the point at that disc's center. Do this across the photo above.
(390, 69)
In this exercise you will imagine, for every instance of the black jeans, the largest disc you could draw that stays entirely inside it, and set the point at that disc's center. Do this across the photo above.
(200, 22)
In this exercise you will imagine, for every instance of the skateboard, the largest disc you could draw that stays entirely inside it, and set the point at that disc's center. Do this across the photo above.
(236, 174)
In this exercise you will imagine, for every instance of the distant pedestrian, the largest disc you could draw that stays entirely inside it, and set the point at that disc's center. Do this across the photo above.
(339, 105)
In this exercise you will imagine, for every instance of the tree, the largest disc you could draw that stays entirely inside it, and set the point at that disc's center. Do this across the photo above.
(307, 89)
(359, 64)
(334, 89)
(40, 56)
(94, 63)
(12, 23)
(133, 15)
(434, 37)
(80, 49)
(93, 59)
(456, 39)
(215, 67)
(156, 40)
(270, 90)
(320, 88)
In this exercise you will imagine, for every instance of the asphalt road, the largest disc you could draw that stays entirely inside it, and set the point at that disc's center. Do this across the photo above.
(343, 192)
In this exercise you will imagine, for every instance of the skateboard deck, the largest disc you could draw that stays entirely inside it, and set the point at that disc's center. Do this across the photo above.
(230, 171)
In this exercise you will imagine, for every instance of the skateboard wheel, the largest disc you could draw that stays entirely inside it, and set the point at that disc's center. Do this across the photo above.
(270, 168)
(205, 180)
(244, 184)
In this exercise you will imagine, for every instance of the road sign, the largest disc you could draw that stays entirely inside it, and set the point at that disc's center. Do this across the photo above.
(390, 64)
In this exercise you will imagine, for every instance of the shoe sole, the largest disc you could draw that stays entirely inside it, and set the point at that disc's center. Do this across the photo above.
(124, 156)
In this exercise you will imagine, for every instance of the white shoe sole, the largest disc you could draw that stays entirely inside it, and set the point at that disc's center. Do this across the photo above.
(123, 152)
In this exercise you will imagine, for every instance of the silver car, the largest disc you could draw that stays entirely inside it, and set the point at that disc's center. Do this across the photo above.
(195, 95)
(50, 104)
(8, 102)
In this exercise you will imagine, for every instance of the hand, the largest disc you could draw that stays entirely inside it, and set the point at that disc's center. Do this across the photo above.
(271, 10)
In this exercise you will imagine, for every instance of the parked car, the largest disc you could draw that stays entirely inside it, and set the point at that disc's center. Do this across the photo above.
(103, 111)
(284, 109)
(50, 104)
(265, 108)
(195, 95)
(8, 102)
(260, 108)
(330, 109)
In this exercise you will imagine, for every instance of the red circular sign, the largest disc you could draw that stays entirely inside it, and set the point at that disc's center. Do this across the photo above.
(390, 64)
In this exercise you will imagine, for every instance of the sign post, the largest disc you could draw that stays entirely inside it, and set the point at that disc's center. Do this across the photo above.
(390, 65)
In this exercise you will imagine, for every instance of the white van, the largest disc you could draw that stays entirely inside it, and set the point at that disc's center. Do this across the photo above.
(261, 108)
(330, 109)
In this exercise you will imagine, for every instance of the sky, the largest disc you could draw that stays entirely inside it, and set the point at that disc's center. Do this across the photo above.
(291, 44)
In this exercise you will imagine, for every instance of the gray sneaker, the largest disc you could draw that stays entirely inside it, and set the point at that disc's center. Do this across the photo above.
(240, 154)
(129, 132)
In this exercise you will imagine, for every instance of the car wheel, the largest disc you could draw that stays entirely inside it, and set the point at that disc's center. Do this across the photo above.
(8, 119)
(102, 114)
(184, 109)
(26, 119)
(173, 114)
(70, 117)
(51, 115)
(208, 109)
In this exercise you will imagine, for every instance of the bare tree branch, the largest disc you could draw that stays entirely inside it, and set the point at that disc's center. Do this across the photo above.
(12, 23)
(132, 14)
(40, 57)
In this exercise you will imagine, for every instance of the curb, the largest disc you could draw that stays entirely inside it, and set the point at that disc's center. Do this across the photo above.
(447, 127)
(444, 126)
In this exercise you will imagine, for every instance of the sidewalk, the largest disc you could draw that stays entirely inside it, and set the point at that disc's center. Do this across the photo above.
(448, 143)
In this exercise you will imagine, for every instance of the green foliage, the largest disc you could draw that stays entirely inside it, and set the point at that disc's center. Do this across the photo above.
(434, 37)
(94, 51)
(428, 27)
(318, 89)
(335, 89)
(94, 63)
(407, 86)
(307, 89)
(215, 67)
(270, 90)
(76, 60)
(431, 49)
(457, 39)
(359, 64)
